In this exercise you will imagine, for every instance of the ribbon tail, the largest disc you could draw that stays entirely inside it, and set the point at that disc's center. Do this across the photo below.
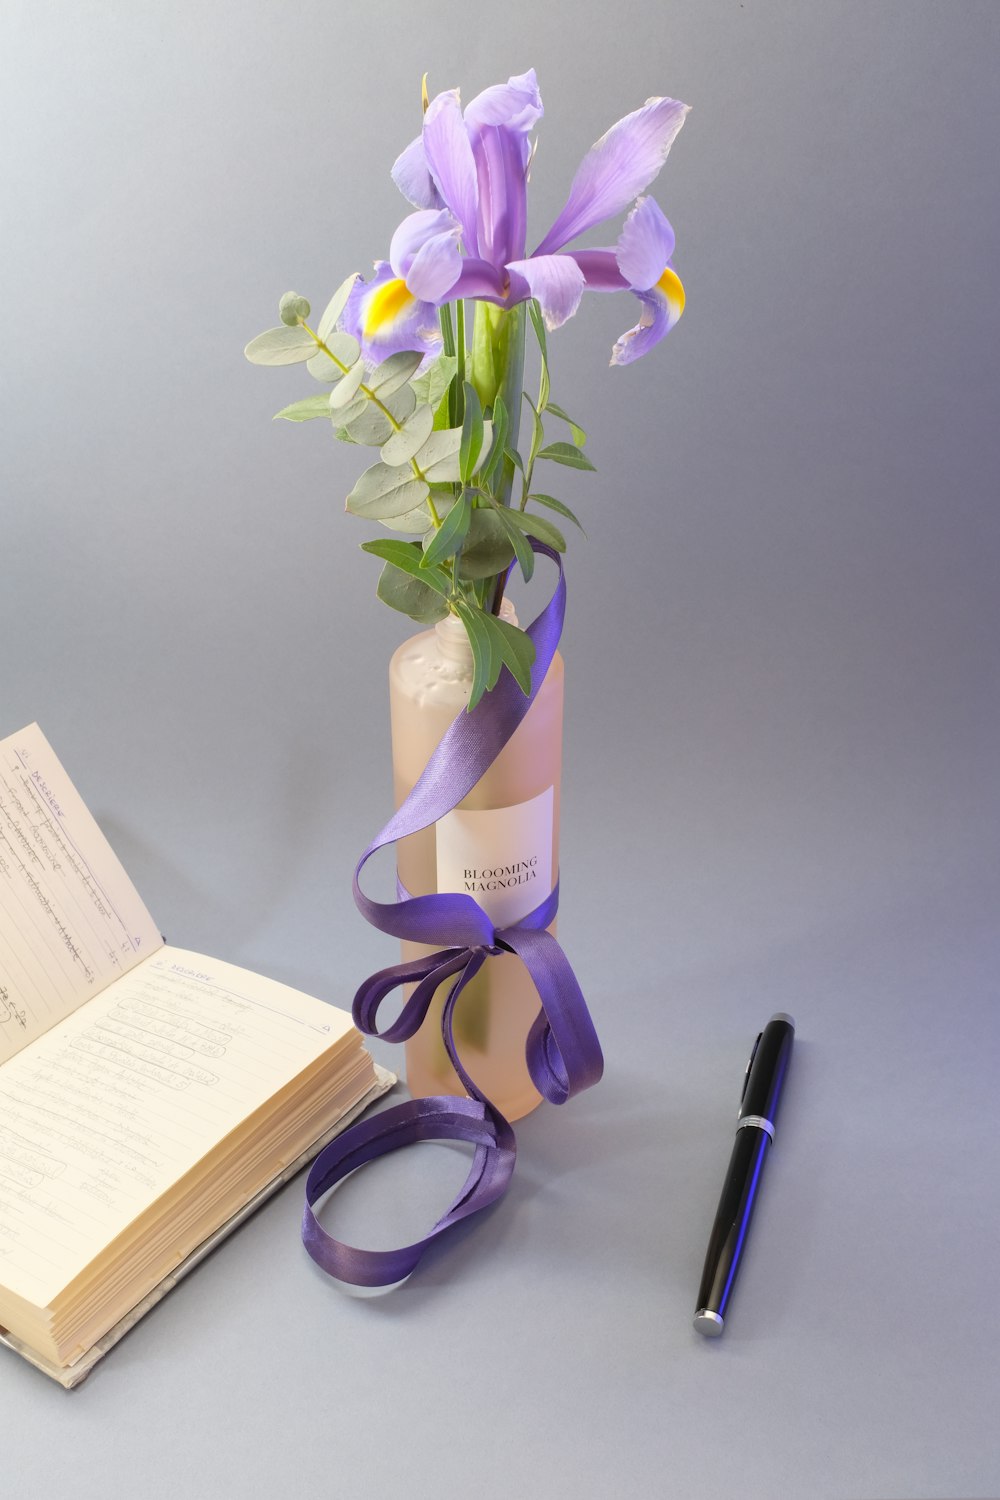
(562, 1050)
(444, 1118)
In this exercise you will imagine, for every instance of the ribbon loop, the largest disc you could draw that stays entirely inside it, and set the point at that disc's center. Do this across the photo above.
(562, 1052)
(428, 972)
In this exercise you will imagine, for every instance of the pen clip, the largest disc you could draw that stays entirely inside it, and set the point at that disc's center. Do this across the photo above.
(746, 1076)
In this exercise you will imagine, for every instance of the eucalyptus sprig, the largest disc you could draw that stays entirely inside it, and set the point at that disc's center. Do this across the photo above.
(448, 486)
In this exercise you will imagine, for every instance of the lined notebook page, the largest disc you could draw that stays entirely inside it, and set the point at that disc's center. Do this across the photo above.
(112, 1106)
(70, 919)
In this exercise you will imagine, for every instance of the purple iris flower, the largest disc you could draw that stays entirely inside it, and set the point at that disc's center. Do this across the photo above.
(466, 175)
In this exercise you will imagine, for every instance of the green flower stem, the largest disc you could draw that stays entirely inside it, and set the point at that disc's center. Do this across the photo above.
(448, 347)
(508, 357)
(366, 390)
(459, 381)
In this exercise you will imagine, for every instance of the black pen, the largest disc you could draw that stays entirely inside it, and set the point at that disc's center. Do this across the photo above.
(754, 1133)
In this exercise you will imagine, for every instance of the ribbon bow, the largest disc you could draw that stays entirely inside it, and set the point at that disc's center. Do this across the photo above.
(562, 1051)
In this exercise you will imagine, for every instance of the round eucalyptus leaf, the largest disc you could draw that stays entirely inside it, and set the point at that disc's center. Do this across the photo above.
(280, 346)
(343, 420)
(382, 491)
(401, 591)
(487, 549)
(292, 309)
(395, 371)
(346, 389)
(372, 427)
(439, 456)
(402, 445)
(435, 380)
(345, 348)
(412, 522)
(335, 307)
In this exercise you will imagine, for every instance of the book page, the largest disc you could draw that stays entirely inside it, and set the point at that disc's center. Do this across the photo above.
(70, 919)
(102, 1114)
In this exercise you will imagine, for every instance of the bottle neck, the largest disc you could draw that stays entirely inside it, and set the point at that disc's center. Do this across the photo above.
(453, 638)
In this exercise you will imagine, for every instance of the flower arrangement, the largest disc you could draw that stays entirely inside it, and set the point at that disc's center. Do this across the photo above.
(425, 360)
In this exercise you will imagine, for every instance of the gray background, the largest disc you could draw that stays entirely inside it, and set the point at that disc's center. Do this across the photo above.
(781, 752)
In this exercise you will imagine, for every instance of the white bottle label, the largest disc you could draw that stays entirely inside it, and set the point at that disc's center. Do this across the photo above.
(501, 856)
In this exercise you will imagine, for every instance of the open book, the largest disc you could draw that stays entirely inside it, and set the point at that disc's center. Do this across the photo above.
(147, 1095)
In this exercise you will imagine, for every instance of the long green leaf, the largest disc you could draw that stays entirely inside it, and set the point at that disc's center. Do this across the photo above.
(482, 650)
(472, 434)
(537, 431)
(566, 453)
(450, 534)
(407, 556)
(305, 411)
(557, 505)
(579, 436)
(538, 324)
(500, 423)
(522, 551)
(538, 526)
(516, 649)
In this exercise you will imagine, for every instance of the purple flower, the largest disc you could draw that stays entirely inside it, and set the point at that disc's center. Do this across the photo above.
(466, 175)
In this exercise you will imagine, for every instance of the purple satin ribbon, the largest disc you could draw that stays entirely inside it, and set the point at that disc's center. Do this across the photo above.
(562, 1052)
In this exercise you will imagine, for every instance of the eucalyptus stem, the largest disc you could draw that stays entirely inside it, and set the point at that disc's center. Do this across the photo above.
(367, 391)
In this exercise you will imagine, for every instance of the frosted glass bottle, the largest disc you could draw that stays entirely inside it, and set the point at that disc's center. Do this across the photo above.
(508, 860)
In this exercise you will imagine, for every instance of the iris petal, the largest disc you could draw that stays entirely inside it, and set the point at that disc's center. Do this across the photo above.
(661, 308)
(449, 156)
(436, 267)
(424, 251)
(516, 104)
(645, 244)
(412, 176)
(557, 282)
(600, 270)
(617, 168)
(385, 316)
(479, 279)
(502, 216)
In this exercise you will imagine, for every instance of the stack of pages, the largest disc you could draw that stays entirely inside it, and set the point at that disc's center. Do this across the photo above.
(148, 1095)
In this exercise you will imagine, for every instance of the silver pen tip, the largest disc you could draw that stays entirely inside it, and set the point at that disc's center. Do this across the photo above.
(708, 1323)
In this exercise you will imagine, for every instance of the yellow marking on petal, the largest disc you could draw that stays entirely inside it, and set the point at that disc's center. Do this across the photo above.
(671, 286)
(425, 98)
(386, 303)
